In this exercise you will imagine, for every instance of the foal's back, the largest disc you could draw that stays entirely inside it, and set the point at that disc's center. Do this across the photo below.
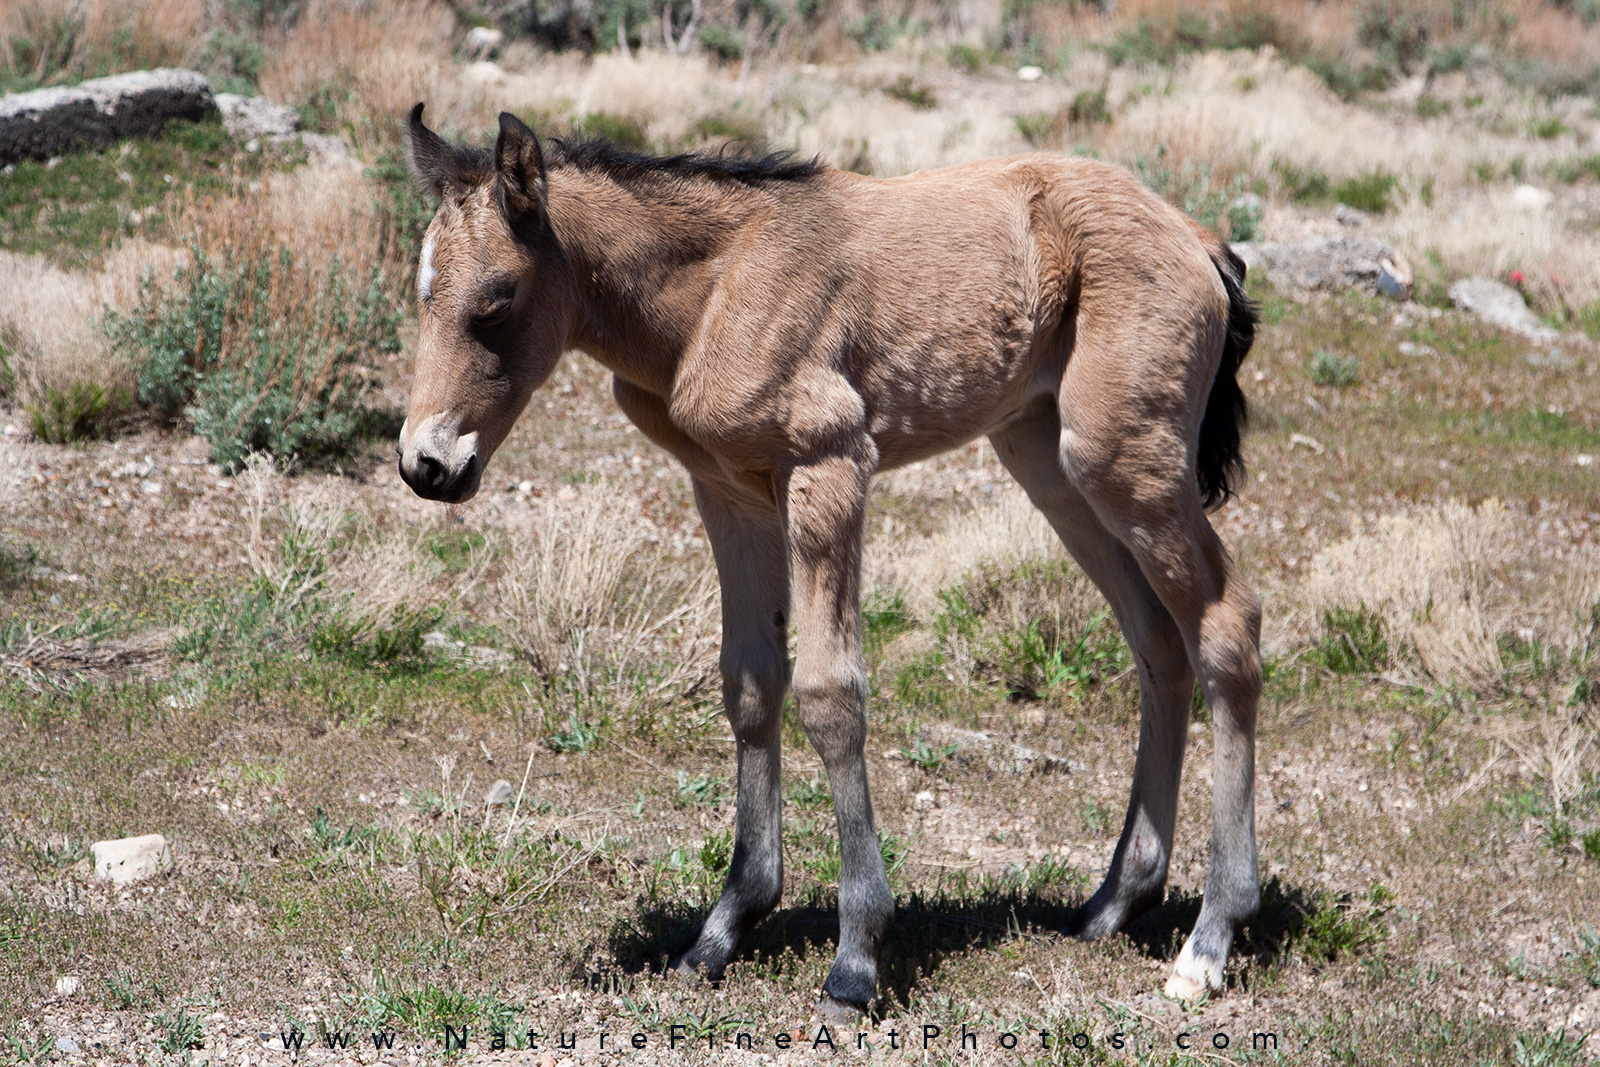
(946, 301)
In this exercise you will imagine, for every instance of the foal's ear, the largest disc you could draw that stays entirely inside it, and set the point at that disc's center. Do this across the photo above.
(519, 169)
(431, 157)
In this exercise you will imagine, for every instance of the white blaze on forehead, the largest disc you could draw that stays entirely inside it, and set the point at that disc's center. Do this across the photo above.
(425, 270)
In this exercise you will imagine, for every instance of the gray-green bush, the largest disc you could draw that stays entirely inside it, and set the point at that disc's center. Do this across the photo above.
(261, 355)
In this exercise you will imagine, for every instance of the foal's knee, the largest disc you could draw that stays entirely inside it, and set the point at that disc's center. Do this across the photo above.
(833, 709)
(754, 679)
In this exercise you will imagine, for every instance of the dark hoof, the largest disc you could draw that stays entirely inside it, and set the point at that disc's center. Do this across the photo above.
(838, 1013)
(695, 972)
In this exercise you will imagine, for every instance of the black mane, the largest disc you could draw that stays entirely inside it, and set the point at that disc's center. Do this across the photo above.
(600, 154)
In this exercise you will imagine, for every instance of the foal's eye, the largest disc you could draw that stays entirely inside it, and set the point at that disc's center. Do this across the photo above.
(493, 314)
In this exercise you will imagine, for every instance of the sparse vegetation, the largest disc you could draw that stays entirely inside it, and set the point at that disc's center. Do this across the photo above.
(311, 686)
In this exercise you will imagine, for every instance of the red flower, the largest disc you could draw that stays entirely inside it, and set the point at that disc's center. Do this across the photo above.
(1517, 277)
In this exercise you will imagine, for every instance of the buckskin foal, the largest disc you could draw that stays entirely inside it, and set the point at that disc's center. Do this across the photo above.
(787, 330)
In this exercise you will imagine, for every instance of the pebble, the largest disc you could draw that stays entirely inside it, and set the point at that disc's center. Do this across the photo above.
(66, 1044)
(499, 793)
(68, 984)
(1030, 73)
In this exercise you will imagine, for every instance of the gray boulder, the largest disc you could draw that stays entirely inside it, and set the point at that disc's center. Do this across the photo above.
(1320, 262)
(246, 117)
(99, 112)
(1500, 305)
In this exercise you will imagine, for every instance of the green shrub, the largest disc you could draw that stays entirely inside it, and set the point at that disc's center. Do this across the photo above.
(1302, 185)
(81, 411)
(1369, 192)
(258, 358)
(1548, 128)
(908, 90)
(618, 129)
(1089, 107)
(1190, 187)
(1330, 368)
(1353, 641)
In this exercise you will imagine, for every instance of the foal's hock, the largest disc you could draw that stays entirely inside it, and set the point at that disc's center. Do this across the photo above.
(787, 330)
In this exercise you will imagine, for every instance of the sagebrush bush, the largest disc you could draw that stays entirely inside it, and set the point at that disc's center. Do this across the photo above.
(259, 354)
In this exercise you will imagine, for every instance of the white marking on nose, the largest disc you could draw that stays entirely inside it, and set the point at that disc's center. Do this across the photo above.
(425, 270)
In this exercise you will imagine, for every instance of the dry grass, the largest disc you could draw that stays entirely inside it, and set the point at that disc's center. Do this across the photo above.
(52, 317)
(1439, 581)
(59, 40)
(368, 60)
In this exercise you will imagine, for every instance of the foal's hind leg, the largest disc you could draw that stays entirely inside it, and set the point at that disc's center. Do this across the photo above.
(753, 570)
(1137, 878)
(1127, 411)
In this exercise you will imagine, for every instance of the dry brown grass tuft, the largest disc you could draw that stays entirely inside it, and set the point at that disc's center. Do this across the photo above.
(364, 59)
(1003, 530)
(1440, 582)
(559, 594)
(66, 40)
(51, 318)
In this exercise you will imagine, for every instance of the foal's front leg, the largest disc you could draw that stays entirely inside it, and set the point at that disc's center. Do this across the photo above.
(753, 571)
(824, 505)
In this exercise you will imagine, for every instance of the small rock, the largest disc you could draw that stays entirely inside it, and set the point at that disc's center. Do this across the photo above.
(1531, 197)
(68, 985)
(923, 800)
(1394, 278)
(499, 793)
(483, 42)
(1300, 440)
(131, 859)
(66, 1044)
(1349, 216)
(524, 486)
(1500, 305)
(326, 150)
(1320, 262)
(249, 117)
(1030, 73)
(1411, 348)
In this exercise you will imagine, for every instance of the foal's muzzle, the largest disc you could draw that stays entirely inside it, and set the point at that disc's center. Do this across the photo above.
(432, 479)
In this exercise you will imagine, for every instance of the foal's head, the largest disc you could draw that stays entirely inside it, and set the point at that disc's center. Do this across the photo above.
(495, 304)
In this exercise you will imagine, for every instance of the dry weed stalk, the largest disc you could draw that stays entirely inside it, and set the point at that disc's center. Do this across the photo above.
(563, 573)
(1004, 529)
(1555, 748)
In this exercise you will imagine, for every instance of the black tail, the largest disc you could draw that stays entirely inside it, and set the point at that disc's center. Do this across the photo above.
(1219, 466)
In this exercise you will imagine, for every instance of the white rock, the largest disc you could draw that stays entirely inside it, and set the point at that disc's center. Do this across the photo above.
(499, 793)
(1394, 278)
(1030, 73)
(248, 117)
(68, 985)
(131, 859)
(1500, 305)
(1531, 197)
(483, 41)
(923, 800)
(67, 1045)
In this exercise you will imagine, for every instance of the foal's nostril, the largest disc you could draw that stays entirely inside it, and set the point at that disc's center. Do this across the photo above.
(431, 474)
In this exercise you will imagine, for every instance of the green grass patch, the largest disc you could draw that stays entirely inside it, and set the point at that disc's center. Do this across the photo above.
(1332, 369)
(1369, 192)
(87, 202)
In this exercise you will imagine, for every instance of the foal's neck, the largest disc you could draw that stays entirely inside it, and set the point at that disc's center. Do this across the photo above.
(644, 255)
